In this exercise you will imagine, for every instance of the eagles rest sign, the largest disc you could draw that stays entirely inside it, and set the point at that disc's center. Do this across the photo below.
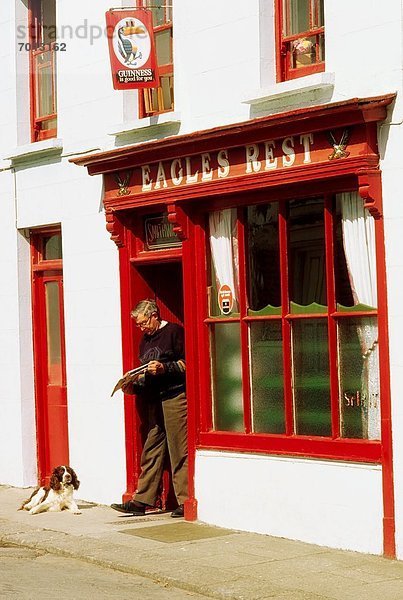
(268, 157)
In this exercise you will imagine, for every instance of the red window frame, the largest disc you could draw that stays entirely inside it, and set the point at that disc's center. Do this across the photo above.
(285, 42)
(151, 100)
(42, 60)
(289, 443)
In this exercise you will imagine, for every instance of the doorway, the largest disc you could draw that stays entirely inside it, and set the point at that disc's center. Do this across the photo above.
(163, 282)
(49, 352)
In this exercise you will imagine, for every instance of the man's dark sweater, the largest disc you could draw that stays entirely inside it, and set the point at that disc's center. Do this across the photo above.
(167, 346)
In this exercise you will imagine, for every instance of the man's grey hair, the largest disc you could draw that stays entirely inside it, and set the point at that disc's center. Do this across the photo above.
(146, 308)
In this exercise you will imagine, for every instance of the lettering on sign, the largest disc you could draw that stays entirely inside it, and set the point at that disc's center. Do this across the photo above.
(264, 157)
(159, 233)
(225, 299)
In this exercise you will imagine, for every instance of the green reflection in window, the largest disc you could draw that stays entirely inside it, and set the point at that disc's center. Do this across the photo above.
(226, 377)
(163, 47)
(311, 377)
(52, 247)
(267, 382)
(54, 344)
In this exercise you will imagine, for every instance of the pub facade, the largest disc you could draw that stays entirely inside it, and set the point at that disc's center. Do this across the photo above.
(265, 240)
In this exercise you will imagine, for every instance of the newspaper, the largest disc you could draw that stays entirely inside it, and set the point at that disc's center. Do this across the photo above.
(130, 376)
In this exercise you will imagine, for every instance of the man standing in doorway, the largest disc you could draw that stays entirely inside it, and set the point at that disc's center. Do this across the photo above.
(162, 387)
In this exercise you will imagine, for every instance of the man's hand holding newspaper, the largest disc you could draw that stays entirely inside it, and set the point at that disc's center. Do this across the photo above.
(130, 377)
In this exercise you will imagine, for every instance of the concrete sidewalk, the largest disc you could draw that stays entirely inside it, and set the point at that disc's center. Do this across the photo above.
(214, 562)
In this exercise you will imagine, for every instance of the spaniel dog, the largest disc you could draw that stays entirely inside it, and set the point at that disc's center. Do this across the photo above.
(58, 496)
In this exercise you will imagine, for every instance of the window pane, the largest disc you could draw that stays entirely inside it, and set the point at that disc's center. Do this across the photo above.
(223, 289)
(359, 378)
(264, 260)
(304, 52)
(344, 294)
(226, 377)
(321, 56)
(160, 11)
(167, 93)
(53, 333)
(47, 22)
(150, 100)
(358, 247)
(52, 247)
(44, 70)
(320, 19)
(296, 15)
(311, 377)
(307, 254)
(267, 385)
(164, 47)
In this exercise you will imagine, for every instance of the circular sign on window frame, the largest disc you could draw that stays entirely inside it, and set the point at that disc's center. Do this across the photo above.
(225, 299)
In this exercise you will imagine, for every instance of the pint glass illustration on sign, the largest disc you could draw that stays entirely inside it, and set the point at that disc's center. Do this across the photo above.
(132, 49)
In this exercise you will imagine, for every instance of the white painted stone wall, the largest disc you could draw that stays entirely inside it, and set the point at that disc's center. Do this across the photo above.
(321, 502)
(224, 59)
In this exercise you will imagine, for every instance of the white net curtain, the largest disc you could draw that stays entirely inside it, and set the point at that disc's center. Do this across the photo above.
(223, 252)
(359, 246)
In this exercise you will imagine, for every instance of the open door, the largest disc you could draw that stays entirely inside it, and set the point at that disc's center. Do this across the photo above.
(49, 352)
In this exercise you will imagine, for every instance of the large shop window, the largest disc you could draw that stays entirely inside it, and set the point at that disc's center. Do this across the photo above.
(153, 101)
(292, 323)
(301, 35)
(42, 48)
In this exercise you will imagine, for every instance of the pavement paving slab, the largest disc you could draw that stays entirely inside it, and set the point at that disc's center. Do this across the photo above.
(198, 558)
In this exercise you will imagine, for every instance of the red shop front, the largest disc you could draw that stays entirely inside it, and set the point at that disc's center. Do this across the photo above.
(265, 239)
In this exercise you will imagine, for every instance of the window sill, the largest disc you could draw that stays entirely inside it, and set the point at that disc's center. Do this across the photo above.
(148, 124)
(368, 451)
(318, 82)
(36, 150)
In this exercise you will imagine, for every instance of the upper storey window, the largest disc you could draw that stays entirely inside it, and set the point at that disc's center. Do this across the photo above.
(153, 101)
(302, 37)
(43, 68)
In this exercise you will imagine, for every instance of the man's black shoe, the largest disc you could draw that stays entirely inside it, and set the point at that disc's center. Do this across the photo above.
(136, 509)
(178, 512)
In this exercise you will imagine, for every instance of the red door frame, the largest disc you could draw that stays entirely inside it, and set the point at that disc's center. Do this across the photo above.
(133, 288)
(187, 203)
(42, 272)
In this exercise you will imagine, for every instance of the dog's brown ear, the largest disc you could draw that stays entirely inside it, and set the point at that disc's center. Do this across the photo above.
(74, 479)
(55, 482)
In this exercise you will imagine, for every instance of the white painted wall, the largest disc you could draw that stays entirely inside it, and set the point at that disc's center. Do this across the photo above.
(55, 191)
(10, 424)
(327, 503)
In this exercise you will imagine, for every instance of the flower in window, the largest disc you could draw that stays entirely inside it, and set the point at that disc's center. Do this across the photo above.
(302, 46)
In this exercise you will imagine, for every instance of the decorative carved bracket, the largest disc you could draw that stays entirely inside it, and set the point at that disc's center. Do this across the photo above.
(179, 220)
(115, 228)
(370, 189)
